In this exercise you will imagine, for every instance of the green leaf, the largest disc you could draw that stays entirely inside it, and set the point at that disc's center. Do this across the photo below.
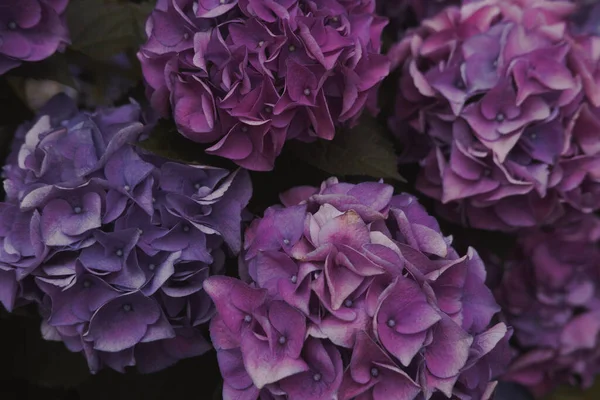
(166, 141)
(103, 28)
(365, 150)
(54, 68)
(572, 393)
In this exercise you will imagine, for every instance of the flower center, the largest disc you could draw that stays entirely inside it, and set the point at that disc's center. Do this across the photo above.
(294, 278)
(87, 284)
(533, 136)
(247, 318)
(261, 43)
(119, 252)
(391, 323)
(186, 228)
(286, 241)
(127, 307)
(151, 267)
(77, 210)
(197, 186)
(374, 372)
(317, 377)
(292, 48)
(348, 303)
(307, 92)
(12, 25)
(500, 117)
(127, 188)
(186, 36)
(282, 339)
(268, 110)
(244, 129)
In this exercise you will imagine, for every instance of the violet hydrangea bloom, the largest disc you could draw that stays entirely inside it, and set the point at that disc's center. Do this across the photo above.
(113, 243)
(30, 30)
(354, 293)
(245, 76)
(550, 296)
(499, 101)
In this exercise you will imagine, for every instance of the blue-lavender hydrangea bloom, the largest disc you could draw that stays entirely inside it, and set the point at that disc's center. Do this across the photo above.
(113, 243)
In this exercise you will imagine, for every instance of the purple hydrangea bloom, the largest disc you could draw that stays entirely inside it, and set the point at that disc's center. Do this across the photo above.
(354, 293)
(245, 76)
(31, 30)
(113, 243)
(499, 101)
(550, 296)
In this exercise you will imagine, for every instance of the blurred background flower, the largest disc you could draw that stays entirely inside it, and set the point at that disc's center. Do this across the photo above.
(498, 102)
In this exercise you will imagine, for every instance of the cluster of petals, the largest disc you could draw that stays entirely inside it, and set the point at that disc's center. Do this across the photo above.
(551, 296)
(111, 243)
(31, 30)
(499, 102)
(349, 292)
(245, 76)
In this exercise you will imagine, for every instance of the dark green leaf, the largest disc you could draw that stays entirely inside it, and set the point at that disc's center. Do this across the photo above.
(365, 150)
(54, 68)
(572, 393)
(103, 28)
(167, 142)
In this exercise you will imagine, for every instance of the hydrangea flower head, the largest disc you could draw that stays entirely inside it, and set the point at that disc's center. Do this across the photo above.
(245, 76)
(30, 30)
(112, 243)
(498, 100)
(352, 292)
(549, 294)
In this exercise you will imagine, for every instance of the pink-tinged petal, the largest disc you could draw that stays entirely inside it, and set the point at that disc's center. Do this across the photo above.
(230, 393)
(290, 325)
(264, 365)
(581, 333)
(234, 300)
(347, 229)
(396, 386)
(449, 350)
(405, 303)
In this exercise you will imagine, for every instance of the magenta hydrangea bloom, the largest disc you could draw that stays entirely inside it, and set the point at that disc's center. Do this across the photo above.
(113, 243)
(354, 293)
(499, 100)
(550, 296)
(245, 76)
(30, 30)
